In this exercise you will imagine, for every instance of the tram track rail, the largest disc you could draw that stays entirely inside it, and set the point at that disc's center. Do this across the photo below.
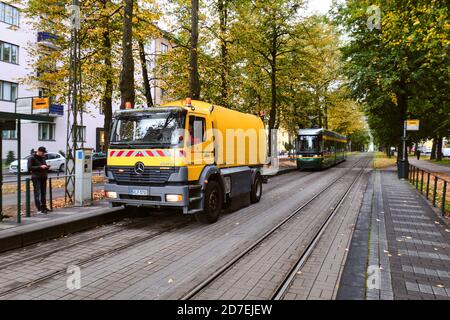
(49, 252)
(94, 258)
(285, 284)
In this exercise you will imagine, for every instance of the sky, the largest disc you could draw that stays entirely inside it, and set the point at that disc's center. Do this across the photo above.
(320, 6)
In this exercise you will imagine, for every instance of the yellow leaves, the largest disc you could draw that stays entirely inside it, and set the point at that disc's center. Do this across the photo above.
(394, 99)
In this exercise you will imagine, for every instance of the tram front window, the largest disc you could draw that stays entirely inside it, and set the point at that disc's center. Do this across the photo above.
(309, 144)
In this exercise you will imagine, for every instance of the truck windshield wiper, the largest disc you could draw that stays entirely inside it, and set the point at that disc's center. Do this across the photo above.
(153, 144)
(119, 144)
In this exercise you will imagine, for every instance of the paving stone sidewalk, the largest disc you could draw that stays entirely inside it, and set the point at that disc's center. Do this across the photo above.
(433, 167)
(58, 214)
(401, 247)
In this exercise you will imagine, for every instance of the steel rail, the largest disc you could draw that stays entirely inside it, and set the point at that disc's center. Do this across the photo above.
(219, 272)
(286, 284)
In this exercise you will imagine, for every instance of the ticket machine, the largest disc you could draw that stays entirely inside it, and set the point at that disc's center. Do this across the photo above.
(83, 177)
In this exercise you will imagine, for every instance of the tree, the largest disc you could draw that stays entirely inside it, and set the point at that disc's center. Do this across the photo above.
(127, 73)
(399, 71)
(100, 34)
(194, 83)
(10, 157)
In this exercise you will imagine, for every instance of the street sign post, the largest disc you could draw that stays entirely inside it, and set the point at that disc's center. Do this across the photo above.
(403, 165)
(412, 125)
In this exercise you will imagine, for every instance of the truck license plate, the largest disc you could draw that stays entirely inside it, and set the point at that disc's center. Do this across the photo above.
(139, 192)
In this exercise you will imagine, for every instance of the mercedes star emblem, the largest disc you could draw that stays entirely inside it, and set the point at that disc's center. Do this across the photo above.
(139, 168)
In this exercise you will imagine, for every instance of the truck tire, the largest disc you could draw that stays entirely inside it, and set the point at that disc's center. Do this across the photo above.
(256, 192)
(213, 204)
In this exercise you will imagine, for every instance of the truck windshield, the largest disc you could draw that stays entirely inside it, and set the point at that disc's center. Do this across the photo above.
(309, 144)
(158, 128)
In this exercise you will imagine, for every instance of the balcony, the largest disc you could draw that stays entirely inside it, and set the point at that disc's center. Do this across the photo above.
(47, 39)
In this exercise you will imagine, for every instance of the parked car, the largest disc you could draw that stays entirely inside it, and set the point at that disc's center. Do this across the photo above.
(54, 160)
(98, 160)
(425, 150)
(446, 152)
(23, 165)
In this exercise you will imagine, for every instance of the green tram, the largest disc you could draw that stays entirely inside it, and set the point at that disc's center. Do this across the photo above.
(320, 148)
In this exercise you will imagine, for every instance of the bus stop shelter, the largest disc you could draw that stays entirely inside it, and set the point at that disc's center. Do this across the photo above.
(12, 121)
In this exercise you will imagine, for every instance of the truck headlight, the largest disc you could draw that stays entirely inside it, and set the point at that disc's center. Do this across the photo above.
(174, 197)
(111, 194)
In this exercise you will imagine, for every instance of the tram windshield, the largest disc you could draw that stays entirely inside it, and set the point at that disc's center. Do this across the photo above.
(309, 144)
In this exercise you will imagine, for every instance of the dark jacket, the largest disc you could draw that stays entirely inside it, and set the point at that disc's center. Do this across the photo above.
(34, 165)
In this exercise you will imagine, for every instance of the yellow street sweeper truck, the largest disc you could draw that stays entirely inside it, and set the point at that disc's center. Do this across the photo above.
(188, 154)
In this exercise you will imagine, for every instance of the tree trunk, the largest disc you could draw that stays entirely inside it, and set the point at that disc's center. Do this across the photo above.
(439, 149)
(273, 85)
(145, 78)
(127, 72)
(273, 106)
(223, 17)
(194, 83)
(319, 110)
(107, 94)
(433, 149)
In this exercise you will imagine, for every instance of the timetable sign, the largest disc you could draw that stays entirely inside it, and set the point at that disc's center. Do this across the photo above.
(412, 125)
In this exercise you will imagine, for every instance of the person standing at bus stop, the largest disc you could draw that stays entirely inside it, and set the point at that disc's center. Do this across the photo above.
(39, 173)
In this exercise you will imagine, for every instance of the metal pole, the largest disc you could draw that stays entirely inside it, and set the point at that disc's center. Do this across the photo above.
(435, 190)
(421, 183)
(404, 141)
(428, 185)
(443, 198)
(19, 189)
(74, 105)
(50, 193)
(27, 197)
(417, 178)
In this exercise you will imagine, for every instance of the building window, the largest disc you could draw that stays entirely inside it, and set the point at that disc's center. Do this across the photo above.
(81, 134)
(9, 134)
(9, 14)
(9, 52)
(8, 91)
(164, 48)
(46, 131)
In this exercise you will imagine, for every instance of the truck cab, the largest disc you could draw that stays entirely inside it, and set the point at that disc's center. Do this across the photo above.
(167, 156)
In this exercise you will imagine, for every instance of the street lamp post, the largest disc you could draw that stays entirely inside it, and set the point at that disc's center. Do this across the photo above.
(403, 164)
(74, 110)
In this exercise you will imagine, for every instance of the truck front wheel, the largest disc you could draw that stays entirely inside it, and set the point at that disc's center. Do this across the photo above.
(256, 192)
(213, 204)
